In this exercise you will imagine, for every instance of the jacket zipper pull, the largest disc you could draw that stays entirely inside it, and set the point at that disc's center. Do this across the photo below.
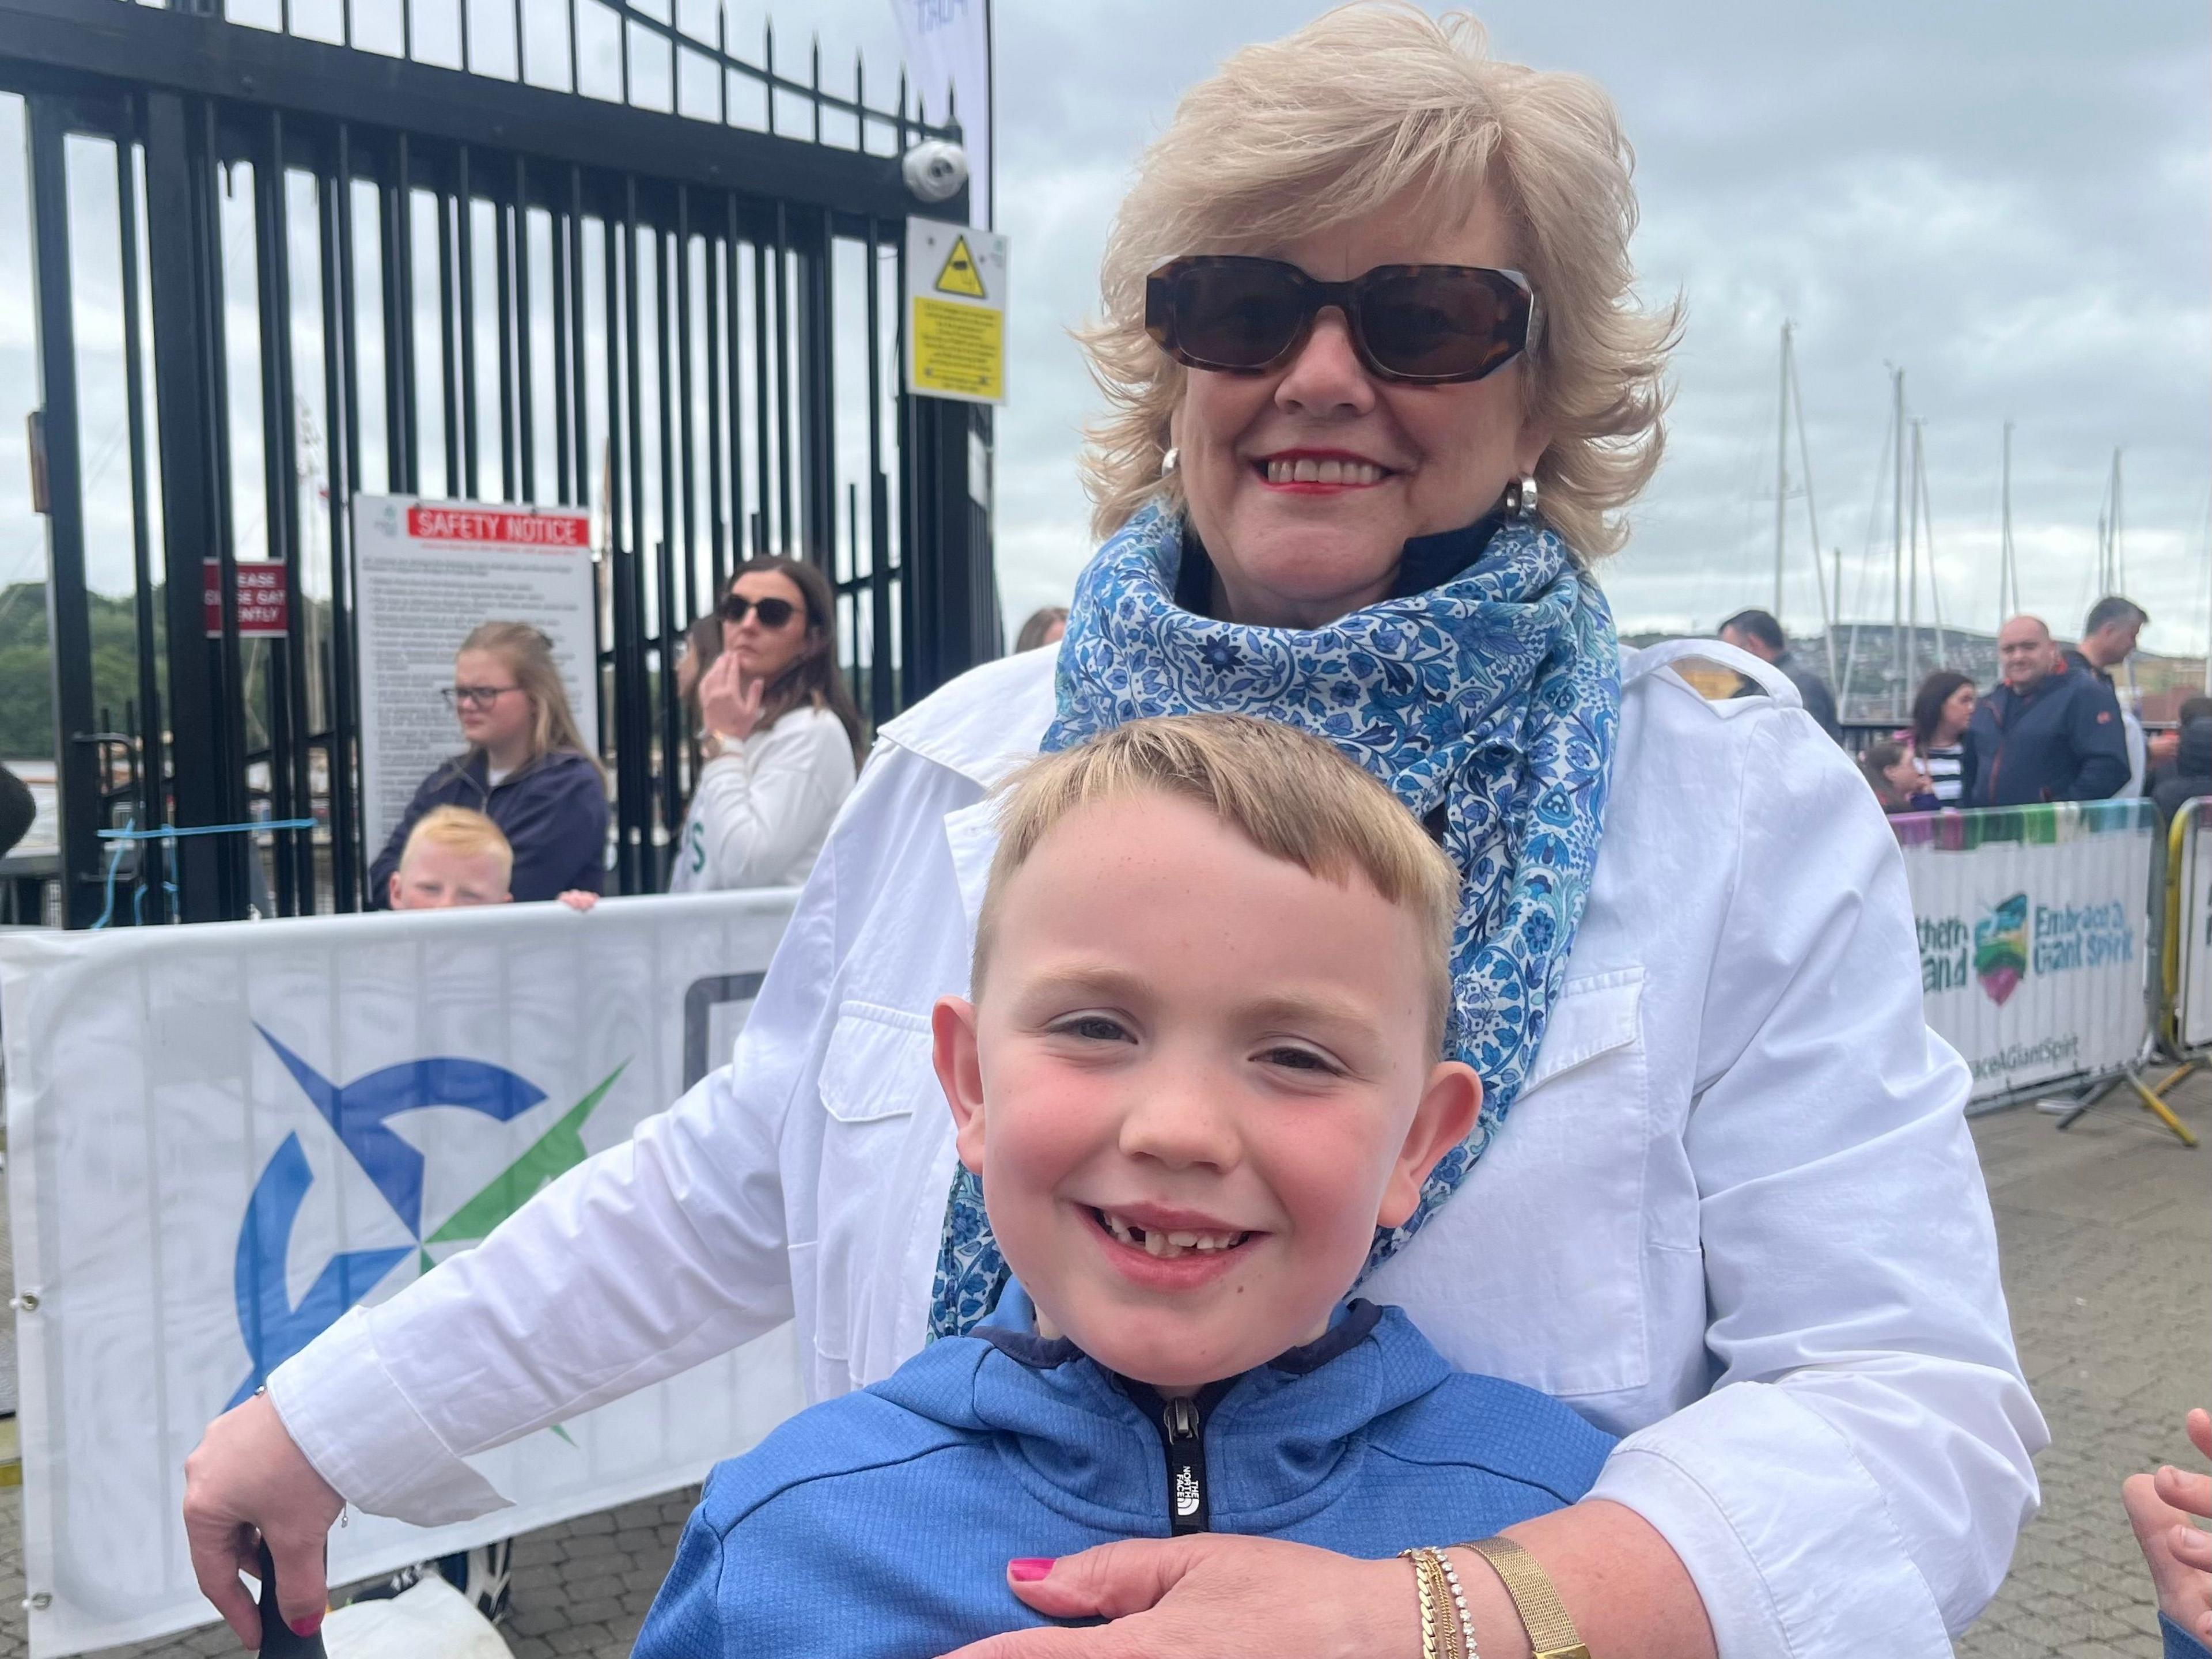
(1183, 1434)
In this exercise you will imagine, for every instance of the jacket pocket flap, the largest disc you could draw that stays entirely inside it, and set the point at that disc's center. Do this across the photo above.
(1593, 1016)
(876, 1060)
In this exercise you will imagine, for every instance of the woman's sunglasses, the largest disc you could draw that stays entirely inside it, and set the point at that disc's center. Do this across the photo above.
(1419, 325)
(774, 613)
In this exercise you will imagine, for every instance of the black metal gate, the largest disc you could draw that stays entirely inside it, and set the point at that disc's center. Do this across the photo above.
(466, 287)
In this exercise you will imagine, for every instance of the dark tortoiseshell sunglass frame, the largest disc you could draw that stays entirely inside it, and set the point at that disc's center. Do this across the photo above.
(1512, 328)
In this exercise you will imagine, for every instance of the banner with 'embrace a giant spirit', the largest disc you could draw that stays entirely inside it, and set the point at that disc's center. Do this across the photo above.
(2032, 940)
(223, 1137)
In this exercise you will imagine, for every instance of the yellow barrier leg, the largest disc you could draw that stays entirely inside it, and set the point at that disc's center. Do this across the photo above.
(2174, 1076)
(2159, 1109)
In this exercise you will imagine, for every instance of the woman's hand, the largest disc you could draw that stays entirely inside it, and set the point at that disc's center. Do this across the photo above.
(729, 705)
(1215, 1596)
(2178, 1554)
(248, 1481)
(1224, 1597)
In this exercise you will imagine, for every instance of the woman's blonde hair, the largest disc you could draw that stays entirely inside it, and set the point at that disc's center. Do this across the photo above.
(1374, 105)
(529, 654)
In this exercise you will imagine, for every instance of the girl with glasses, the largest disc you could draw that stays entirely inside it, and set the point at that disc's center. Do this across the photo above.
(780, 735)
(526, 768)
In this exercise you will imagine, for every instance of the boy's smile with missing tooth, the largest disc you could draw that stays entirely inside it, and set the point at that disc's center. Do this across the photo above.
(1197, 1079)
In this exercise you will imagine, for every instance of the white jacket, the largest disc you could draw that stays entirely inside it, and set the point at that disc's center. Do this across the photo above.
(764, 806)
(1737, 1215)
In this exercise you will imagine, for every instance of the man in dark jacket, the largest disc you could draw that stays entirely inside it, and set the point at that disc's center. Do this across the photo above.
(2190, 775)
(1757, 632)
(2048, 731)
(2108, 639)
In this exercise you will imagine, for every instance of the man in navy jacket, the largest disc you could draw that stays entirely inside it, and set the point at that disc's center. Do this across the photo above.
(2049, 731)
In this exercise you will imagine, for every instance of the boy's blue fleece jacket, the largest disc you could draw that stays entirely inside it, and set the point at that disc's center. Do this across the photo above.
(880, 1523)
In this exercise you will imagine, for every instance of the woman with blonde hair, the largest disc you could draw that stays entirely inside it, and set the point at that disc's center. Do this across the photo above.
(1379, 390)
(526, 768)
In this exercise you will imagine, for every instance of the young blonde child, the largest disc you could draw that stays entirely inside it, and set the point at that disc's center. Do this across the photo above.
(1197, 1070)
(455, 857)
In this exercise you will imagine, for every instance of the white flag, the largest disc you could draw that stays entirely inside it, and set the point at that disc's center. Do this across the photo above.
(948, 54)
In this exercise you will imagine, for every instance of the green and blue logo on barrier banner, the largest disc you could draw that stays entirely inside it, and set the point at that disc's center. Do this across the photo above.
(2016, 937)
(274, 1327)
(2001, 948)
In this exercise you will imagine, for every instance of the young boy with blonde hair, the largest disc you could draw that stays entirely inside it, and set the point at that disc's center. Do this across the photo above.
(456, 857)
(1196, 1072)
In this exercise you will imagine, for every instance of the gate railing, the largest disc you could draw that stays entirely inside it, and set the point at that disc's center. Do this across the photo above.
(337, 271)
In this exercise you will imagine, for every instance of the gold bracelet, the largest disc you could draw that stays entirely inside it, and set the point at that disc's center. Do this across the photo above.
(1459, 1604)
(1552, 1633)
(1445, 1632)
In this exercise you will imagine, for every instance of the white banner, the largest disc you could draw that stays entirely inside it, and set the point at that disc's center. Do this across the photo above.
(2192, 989)
(425, 573)
(2033, 940)
(221, 1136)
(948, 57)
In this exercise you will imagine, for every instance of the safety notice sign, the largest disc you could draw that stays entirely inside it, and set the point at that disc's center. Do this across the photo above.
(426, 573)
(955, 279)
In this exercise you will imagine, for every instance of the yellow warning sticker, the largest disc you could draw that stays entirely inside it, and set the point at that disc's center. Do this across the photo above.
(958, 351)
(960, 275)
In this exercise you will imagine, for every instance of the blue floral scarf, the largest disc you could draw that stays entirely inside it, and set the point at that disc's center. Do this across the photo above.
(1488, 704)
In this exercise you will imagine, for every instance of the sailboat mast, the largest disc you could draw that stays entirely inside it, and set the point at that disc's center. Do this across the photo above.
(2120, 544)
(1928, 534)
(1912, 576)
(1831, 617)
(1896, 539)
(1780, 468)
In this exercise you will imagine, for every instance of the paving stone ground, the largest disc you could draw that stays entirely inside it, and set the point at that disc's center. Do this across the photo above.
(2107, 1234)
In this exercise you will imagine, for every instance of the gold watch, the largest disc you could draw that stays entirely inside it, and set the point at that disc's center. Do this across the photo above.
(1552, 1633)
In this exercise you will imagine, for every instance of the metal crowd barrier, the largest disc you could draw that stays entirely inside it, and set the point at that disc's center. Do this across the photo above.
(201, 1178)
(2185, 963)
(2039, 946)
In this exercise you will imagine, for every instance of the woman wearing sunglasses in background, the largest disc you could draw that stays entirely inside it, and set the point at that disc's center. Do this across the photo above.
(780, 734)
(1379, 390)
(526, 768)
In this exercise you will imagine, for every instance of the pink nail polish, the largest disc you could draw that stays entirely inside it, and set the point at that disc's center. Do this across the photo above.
(306, 1627)
(1028, 1569)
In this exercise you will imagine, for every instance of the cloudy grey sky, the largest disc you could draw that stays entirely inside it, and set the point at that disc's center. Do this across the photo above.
(2013, 201)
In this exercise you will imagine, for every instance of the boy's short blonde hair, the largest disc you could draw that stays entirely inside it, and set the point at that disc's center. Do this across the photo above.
(1291, 794)
(462, 831)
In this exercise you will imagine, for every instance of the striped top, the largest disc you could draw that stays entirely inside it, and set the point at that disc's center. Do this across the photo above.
(1947, 773)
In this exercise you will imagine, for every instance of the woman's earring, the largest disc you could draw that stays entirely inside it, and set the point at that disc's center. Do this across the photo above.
(1521, 497)
(1170, 461)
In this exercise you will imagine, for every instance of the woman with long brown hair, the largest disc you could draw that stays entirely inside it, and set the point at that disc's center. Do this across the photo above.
(782, 736)
(526, 768)
(1943, 735)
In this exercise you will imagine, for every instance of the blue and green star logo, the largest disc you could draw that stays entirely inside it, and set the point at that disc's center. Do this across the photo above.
(274, 1327)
